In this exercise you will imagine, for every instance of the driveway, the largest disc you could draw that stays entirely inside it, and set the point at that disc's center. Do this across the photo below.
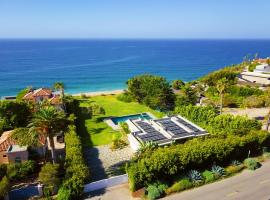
(249, 185)
(104, 163)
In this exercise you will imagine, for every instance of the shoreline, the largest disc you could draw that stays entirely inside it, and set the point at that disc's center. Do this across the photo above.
(100, 93)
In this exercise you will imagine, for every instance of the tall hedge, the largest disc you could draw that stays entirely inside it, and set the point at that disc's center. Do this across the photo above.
(76, 170)
(197, 153)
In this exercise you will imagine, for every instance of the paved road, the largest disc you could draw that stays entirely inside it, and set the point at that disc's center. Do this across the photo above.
(249, 185)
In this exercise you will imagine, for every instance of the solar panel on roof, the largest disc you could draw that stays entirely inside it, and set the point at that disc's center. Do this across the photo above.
(190, 126)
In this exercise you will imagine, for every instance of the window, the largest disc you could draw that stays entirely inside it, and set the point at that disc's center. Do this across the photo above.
(18, 160)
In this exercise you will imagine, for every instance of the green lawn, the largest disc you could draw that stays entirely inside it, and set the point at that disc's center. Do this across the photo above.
(99, 133)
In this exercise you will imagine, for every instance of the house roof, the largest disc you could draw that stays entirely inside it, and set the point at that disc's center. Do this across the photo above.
(55, 100)
(261, 60)
(38, 93)
(42, 92)
(6, 141)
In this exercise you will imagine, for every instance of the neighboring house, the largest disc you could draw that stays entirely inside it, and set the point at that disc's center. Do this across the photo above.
(260, 75)
(261, 60)
(162, 131)
(262, 68)
(10, 152)
(42, 94)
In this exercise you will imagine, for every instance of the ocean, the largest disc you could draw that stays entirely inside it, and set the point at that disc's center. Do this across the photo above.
(100, 65)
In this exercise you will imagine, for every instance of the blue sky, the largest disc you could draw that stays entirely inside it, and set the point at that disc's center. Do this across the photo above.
(134, 19)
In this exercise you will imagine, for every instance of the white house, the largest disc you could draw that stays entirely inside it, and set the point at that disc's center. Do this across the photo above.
(161, 131)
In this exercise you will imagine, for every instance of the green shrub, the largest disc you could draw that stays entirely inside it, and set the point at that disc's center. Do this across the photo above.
(177, 84)
(125, 97)
(230, 73)
(266, 155)
(232, 169)
(124, 127)
(251, 163)
(3, 170)
(4, 187)
(49, 176)
(253, 102)
(197, 114)
(224, 124)
(200, 152)
(153, 192)
(208, 176)
(20, 171)
(252, 66)
(64, 194)
(156, 190)
(179, 186)
(118, 144)
(76, 170)
(229, 124)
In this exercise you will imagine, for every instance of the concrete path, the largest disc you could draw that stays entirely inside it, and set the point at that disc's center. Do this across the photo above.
(120, 192)
(249, 185)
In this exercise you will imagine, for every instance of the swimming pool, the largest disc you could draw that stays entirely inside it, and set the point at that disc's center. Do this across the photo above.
(117, 120)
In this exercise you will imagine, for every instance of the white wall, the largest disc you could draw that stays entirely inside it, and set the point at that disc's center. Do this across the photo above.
(105, 183)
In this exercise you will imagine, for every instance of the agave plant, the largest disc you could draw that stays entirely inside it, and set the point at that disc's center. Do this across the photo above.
(236, 163)
(218, 171)
(195, 176)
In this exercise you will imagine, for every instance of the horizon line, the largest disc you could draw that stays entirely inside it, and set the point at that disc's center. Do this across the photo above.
(78, 38)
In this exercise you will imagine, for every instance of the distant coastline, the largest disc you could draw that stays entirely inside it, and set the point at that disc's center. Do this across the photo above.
(105, 65)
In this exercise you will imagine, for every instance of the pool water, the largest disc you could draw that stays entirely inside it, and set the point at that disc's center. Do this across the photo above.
(118, 120)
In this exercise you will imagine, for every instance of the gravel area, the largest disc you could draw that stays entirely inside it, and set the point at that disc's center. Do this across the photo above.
(255, 113)
(103, 162)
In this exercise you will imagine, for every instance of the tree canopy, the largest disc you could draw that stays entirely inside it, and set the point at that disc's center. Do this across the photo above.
(14, 114)
(153, 91)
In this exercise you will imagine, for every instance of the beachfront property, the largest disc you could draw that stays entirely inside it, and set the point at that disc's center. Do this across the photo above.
(161, 131)
(44, 94)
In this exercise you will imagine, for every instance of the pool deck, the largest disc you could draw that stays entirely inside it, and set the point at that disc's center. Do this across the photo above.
(114, 126)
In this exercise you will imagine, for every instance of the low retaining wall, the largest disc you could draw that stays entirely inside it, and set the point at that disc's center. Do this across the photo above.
(105, 183)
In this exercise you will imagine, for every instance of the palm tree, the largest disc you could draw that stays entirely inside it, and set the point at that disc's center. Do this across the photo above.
(222, 86)
(46, 122)
(59, 86)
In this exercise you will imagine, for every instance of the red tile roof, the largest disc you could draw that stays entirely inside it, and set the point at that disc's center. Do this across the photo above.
(42, 92)
(38, 93)
(55, 100)
(6, 140)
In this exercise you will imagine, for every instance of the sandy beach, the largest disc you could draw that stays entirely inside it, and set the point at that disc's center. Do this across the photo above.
(100, 93)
